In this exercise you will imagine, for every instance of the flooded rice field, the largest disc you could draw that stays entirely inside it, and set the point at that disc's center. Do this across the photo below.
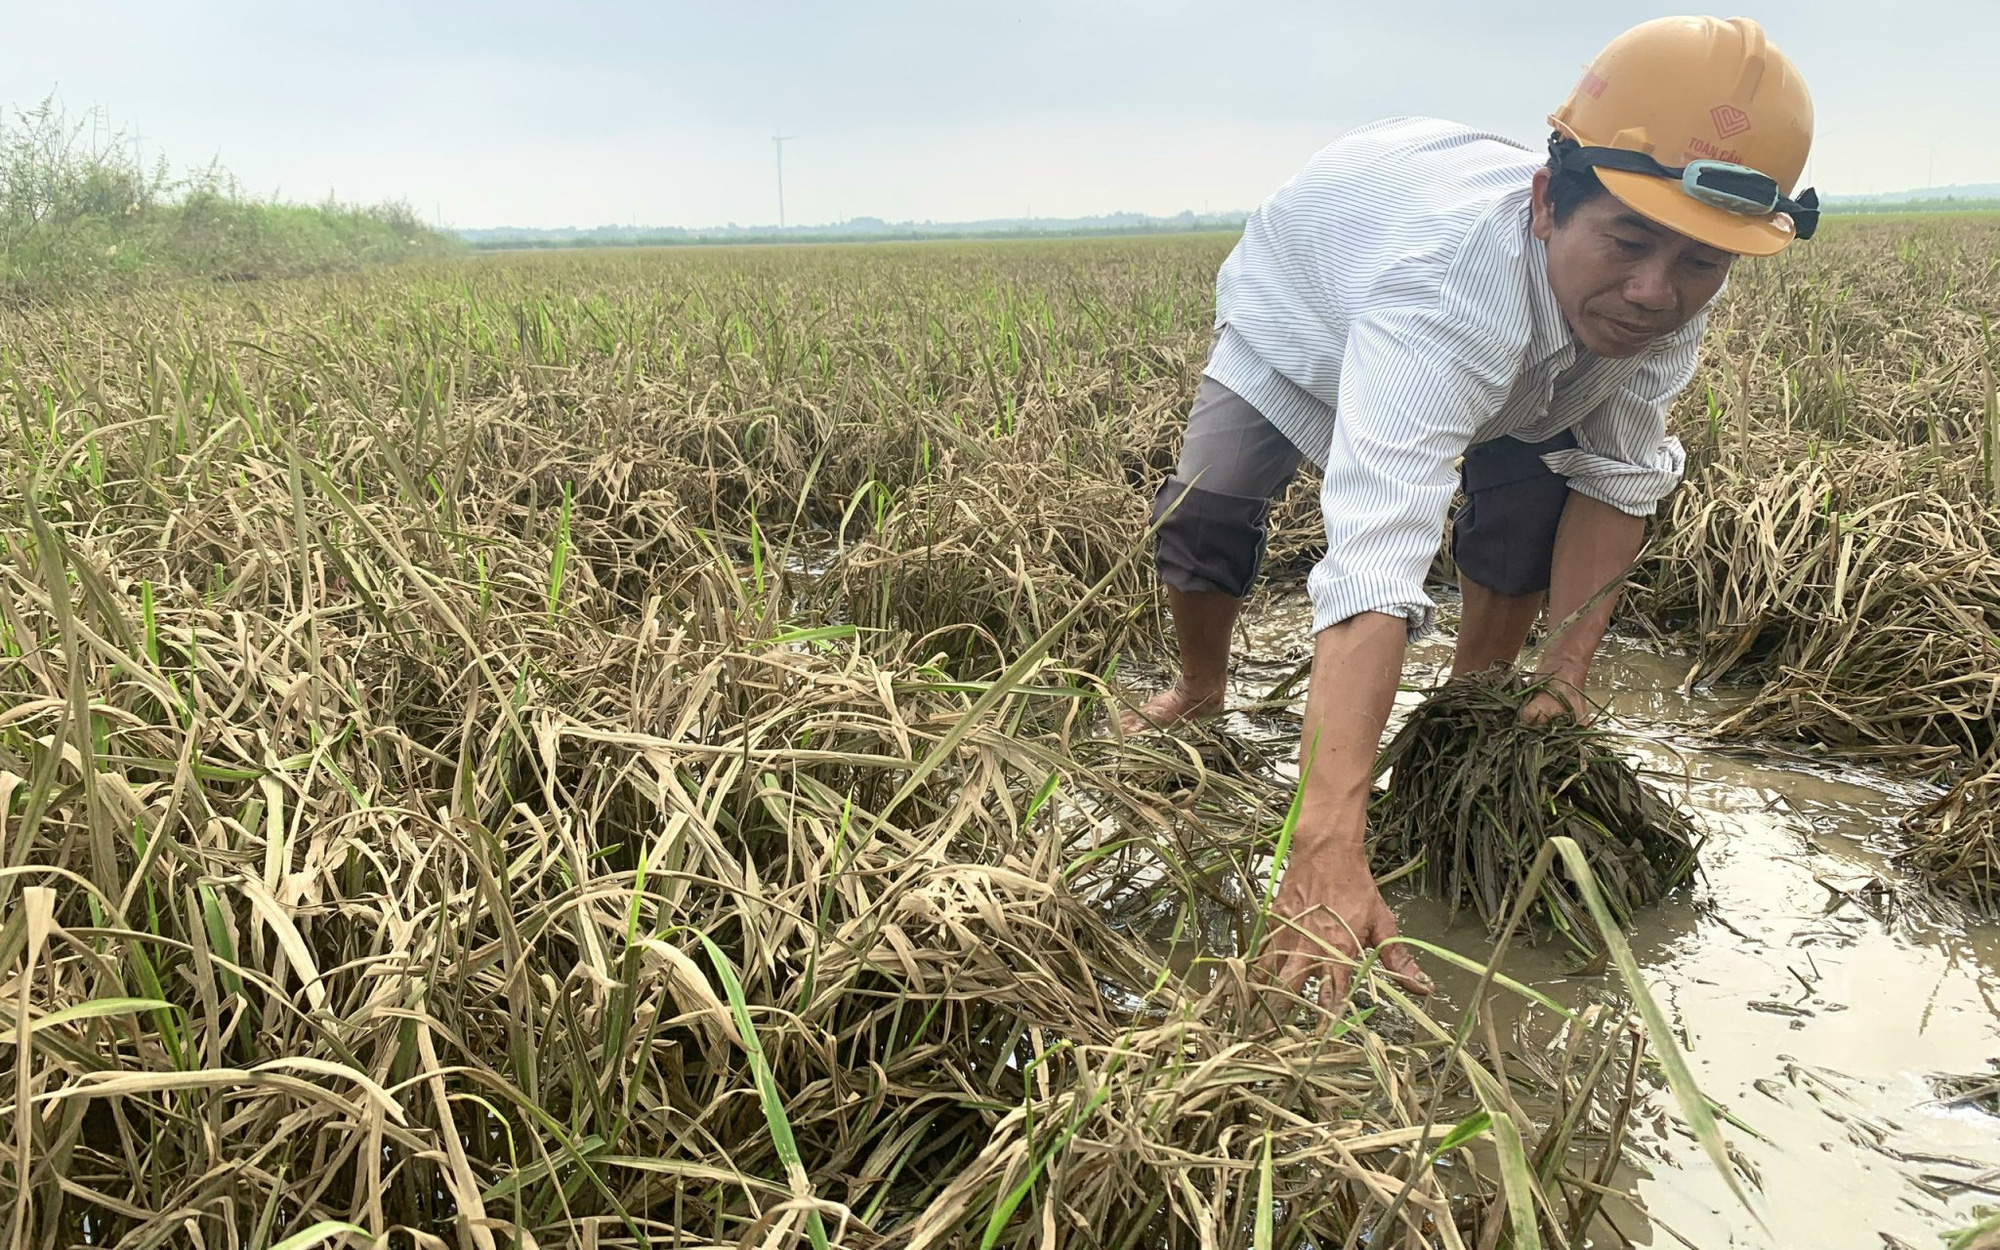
(1823, 1003)
(577, 750)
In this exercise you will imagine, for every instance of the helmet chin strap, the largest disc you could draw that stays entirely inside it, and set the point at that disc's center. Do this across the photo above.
(1566, 153)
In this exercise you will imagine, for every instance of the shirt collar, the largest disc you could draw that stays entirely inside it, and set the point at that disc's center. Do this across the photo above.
(1549, 339)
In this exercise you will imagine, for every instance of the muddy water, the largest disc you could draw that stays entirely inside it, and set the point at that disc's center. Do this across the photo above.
(1812, 1007)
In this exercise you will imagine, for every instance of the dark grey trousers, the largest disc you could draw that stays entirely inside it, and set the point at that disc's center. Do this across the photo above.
(1234, 463)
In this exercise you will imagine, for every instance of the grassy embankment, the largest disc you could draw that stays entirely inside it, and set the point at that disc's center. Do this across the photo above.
(81, 214)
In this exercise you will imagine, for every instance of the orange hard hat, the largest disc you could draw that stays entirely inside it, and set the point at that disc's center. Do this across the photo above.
(1696, 89)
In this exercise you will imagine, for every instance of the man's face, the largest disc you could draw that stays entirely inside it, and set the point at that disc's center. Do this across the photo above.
(1623, 281)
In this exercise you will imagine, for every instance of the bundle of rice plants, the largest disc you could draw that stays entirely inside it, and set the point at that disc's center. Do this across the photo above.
(1473, 793)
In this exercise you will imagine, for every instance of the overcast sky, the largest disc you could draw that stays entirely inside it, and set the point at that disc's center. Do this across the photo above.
(513, 113)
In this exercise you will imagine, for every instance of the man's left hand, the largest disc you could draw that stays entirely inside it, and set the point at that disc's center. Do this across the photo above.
(1560, 698)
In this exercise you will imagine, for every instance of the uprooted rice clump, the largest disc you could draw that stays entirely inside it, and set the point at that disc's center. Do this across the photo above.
(1475, 794)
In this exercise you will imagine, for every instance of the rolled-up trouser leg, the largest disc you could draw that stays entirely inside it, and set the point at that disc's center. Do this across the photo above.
(1504, 536)
(1208, 541)
(1233, 463)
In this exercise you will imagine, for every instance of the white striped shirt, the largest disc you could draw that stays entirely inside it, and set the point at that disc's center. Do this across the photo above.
(1395, 280)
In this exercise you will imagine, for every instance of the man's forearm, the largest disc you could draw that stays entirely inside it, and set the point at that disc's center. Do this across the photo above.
(1595, 544)
(1327, 910)
(1356, 667)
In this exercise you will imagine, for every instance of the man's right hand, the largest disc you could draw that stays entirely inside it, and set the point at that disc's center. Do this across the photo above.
(1328, 910)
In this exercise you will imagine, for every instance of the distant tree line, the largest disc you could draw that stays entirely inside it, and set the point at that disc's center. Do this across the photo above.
(898, 236)
(874, 229)
(855, 230)
(1946, 204)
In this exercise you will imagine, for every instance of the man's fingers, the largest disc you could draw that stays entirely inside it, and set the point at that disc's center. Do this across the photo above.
(1280, 950)
(1336, 971)
(1333, 984)
(1304, 957)
(1398, 962)
(1285, 963)
(1544, 708)
(1291, 971)
(1299, 948)
(1310, 960)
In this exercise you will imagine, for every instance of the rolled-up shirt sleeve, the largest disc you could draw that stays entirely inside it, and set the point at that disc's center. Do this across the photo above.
(1623, 454)
(1415, 383)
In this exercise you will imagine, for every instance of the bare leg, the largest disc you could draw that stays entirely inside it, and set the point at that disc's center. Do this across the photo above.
(1202, 621)
(1493, 627)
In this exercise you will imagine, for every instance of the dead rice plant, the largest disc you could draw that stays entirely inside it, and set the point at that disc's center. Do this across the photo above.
(980, 563)
(1867, 604)
(1955, 841)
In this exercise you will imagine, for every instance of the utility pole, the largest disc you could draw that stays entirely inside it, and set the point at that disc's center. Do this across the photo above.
(780, 141)
(138, 144)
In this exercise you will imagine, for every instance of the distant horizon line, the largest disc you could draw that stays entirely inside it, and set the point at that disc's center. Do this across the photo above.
(867, 221)
(870, 223)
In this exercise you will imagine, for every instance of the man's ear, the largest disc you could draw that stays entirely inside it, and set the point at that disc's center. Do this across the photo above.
(1541, 214)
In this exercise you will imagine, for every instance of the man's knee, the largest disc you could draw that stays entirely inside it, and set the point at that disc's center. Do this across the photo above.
(1504, 536)
(1208, 541)
(1505, 541)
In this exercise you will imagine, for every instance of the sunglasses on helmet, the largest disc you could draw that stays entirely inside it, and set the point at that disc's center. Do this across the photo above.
(1734, 188)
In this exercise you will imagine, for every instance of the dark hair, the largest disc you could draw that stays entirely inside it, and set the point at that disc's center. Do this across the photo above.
(1570, 187)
